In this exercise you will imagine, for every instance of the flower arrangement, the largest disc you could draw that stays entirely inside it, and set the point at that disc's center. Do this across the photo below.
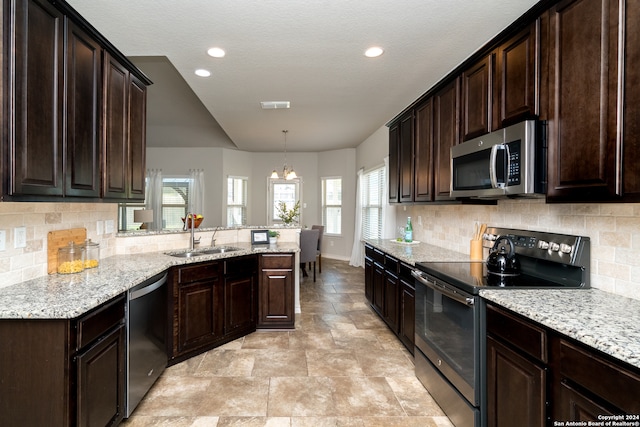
(288, 216)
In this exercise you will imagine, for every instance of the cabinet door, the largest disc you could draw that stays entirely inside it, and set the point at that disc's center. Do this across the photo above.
(276, 307)
(83, 149)
(631, 126)
(137, 122)
(200, 314)
(571, 405)
(36, 89)
(516, 388)
(476, 98)
(100, 382)
(394, 166)
(116, 158)
(378, 288)
(240, 304)
(583, 71)
(368, 279)
(423, 153)
(445, 105)
(516, 66)
(407, 314)
(406, 158)
(391, 297)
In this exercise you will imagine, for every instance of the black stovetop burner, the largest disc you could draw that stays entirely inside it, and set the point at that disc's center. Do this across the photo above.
(549, 261)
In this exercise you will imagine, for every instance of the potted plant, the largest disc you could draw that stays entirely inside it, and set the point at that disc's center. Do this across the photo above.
(288, 216)
(273, 236)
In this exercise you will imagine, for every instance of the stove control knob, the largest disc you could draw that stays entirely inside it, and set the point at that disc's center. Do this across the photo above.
(554, 246)
(543, 245)
(565, 249)
(490, 237)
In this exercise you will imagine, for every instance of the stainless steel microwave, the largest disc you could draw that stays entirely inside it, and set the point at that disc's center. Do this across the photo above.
(509, 162)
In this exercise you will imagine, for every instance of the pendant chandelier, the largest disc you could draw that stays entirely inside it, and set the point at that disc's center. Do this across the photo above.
(287, 173)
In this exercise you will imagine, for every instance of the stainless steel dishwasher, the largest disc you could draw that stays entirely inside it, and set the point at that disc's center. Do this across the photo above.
(146, 337)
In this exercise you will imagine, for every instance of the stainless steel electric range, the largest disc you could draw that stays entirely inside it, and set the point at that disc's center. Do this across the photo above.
(450, 334)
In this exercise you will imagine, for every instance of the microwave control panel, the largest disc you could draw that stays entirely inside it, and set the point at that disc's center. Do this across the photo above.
(513, 148)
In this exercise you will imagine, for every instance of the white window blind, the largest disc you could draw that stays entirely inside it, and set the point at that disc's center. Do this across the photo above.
(332, 205)
(237, 200)
(372, 197)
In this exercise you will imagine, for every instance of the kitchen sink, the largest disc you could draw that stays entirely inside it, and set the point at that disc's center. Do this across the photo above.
(184, 254)
(220, 250)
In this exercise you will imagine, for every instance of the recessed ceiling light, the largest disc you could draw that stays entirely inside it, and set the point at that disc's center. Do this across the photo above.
(216, 52)
(373, 52)
(203, 73)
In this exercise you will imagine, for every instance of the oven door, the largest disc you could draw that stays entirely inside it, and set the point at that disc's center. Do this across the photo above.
(449, 331)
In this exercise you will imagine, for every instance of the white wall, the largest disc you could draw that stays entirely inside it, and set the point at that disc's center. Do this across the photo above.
(373, 150)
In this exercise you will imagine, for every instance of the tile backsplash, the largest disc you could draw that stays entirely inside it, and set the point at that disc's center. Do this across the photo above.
(614, 230)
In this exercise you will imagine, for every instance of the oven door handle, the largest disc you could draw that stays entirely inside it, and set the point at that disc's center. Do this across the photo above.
(449, 293)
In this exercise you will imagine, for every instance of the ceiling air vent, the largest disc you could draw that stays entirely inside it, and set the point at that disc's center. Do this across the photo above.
(275, 105)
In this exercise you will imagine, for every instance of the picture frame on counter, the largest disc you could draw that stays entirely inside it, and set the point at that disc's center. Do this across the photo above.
(259, 237)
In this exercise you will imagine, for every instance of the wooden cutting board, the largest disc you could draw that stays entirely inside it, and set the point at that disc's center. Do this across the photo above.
(58, 239)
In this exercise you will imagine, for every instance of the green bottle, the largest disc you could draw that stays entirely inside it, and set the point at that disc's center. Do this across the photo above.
(408, 231)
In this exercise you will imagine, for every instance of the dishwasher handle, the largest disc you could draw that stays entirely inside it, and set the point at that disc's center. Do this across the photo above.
(450, 293)
(139, 293)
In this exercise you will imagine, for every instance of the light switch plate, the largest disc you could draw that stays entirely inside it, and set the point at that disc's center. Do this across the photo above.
(20, 237)
(100, 228)
(3, 240)
(108, 226)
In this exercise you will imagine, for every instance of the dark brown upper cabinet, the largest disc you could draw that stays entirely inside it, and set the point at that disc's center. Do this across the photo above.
(517, 65)
(583, 72)
(445, 136)
(124, 127)
(406, 158)
(36, 85)
(631, 113)
(423, 152)
(477, 98)
(394, 165)
(54, 110)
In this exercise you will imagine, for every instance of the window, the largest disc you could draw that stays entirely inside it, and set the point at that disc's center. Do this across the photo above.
(175, 199)
(281, 190)
(332, 205)
(372, 198)
(236, 200)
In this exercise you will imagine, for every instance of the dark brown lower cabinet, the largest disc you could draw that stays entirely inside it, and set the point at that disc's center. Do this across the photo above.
(407, 325)
(276, 307)
(64, 372)
(516, 388)
(200, 313)
(240, 288)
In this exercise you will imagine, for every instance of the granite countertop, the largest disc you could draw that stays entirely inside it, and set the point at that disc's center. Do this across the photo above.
(67, 296)
(416, 252)
(602, 320)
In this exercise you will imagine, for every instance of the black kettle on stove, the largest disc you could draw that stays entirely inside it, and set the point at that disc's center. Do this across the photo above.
(502, 259)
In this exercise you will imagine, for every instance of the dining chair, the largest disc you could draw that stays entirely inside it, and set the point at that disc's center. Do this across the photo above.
(308, 249)
(321, 229)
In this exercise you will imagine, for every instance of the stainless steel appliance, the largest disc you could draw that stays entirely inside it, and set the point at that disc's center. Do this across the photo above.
(146, 338)
(450, 329)
(508, 162)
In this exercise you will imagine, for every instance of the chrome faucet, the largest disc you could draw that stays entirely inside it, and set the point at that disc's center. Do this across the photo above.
(213, 236)
(190, 218)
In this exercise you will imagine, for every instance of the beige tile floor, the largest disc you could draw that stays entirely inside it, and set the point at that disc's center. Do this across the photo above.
(341, 366)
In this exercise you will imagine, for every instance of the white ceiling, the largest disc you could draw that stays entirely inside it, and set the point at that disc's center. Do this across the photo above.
(309, 52)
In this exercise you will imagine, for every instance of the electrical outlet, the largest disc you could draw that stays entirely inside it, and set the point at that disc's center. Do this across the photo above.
(3, 240)
(19, 237)
(108, 226)
(100, 228)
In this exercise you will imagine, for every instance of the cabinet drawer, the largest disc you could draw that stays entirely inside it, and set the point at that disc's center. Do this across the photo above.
(98, 322)
(198, 272)
(374, 254)
(243, 265)
(606, 379)
(271, 261)
(524, 335)
(391, 264)
(405, 272)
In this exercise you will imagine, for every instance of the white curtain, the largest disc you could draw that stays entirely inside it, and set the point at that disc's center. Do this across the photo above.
(388, 212)
(196, 191)
(357, 252)
(153, 200)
